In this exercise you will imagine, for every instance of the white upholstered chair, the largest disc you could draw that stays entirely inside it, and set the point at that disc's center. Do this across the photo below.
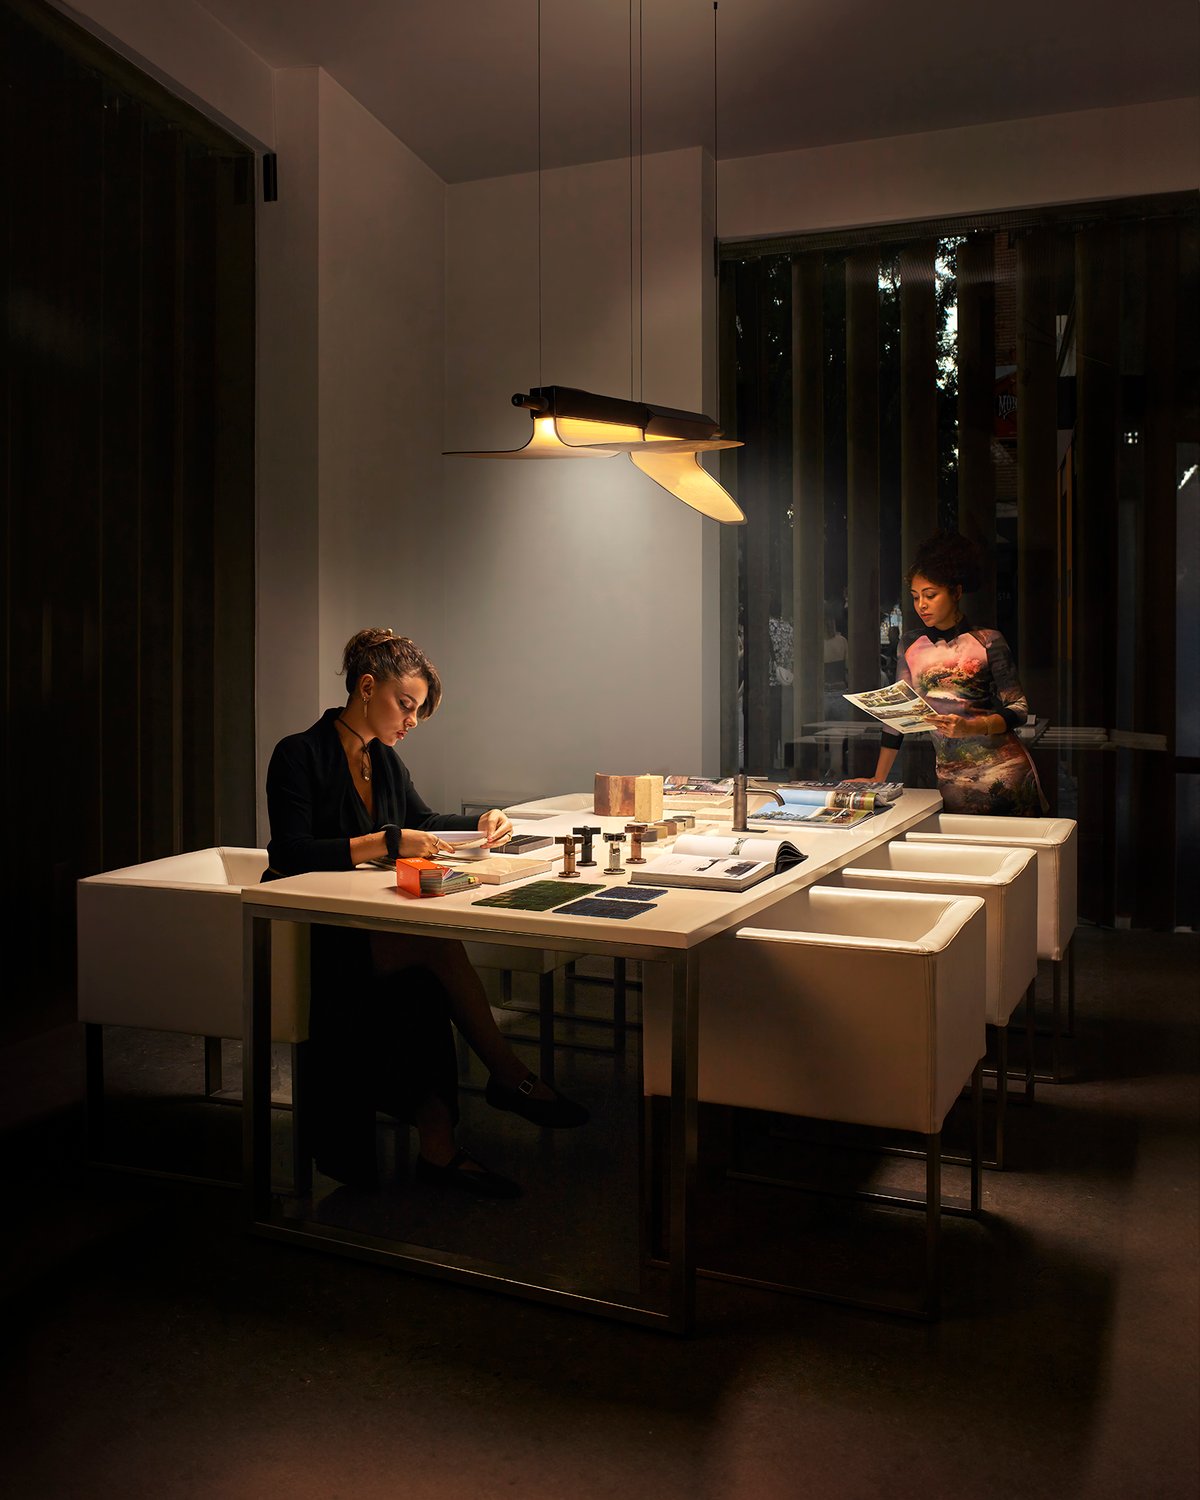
(856, 1006)
(160, 947)
(1006, 881)
(1055, 841)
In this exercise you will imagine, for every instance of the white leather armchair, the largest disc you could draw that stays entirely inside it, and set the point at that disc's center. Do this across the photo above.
(1006, 881)
(160, 947)
(848, 1005)
(1055, 841)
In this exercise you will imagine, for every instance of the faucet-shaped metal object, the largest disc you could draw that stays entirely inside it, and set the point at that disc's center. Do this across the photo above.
(741, 786)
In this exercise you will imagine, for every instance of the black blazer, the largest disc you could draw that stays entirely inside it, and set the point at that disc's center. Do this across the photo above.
(315, 810)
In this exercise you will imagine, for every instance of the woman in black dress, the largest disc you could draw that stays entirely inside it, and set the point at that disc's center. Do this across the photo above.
(338, 796)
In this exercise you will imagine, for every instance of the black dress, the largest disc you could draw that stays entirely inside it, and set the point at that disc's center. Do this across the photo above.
(379, 1042)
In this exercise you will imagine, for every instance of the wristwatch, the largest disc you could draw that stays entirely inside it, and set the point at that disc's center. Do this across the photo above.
(391, 832)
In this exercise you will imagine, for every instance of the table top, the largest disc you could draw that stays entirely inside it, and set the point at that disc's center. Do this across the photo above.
(683, 918)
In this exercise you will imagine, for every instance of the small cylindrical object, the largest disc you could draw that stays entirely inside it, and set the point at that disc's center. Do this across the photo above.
(614, 842)
(568, 871)
(639, 834)
(585, 836)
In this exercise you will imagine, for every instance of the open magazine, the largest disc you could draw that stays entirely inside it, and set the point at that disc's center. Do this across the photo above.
(725, 862)
(898, 707)
(824, 806)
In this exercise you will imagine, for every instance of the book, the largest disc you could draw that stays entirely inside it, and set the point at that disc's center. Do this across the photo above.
(815, 817)
(719, 862)
(813, 806)
(499, 869)
(524, 843)
(698, 794)
(885, 791)
(898, 707)
(424, 877)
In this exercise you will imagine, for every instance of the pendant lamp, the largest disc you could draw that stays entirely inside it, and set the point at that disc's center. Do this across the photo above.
(663, 442)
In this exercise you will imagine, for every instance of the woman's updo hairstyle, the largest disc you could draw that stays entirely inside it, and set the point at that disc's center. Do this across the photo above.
(389, 657)
(949, 559)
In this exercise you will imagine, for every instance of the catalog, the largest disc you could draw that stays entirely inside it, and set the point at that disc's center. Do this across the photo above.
(819, 806)
(899, 707)
(726, 862)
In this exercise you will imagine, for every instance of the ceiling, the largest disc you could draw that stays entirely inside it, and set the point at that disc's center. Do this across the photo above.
(458, 82)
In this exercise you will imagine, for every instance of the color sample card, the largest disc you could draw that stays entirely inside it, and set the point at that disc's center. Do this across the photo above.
(591, 906)
(538, 895)
(641, 893)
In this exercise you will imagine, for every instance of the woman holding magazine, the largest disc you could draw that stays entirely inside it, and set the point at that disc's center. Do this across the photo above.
(967, 674)
(338, 795)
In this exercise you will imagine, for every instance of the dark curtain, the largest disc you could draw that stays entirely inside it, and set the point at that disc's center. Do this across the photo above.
(1030, 378)
(127, 467)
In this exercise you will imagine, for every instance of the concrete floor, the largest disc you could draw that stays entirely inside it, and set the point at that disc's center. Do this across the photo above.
(153, 1349)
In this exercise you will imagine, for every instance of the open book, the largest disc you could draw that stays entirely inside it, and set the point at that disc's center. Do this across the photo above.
(899, 707)
(720, 862)
(818, 806)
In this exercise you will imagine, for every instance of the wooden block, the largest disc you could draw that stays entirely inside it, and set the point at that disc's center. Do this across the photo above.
(636, 797)
(649, 798)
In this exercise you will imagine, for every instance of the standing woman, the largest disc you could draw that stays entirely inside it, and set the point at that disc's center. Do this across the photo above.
(968, 674)
(338, 795)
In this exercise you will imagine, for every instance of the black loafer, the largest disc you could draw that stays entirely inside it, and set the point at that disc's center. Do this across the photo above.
(359, 1172)
(477, 1178)
(559, 1113)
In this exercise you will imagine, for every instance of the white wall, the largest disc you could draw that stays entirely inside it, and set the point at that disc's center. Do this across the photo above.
(1072, 158)
(188, 50)
(582, 595)
(381, 315)
(289, 690)
(350, 401)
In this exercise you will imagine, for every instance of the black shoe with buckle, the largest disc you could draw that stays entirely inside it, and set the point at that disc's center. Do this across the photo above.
(465, 1172)
(559, 1113)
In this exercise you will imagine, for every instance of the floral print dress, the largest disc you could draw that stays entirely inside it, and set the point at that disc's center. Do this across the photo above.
(968, 671)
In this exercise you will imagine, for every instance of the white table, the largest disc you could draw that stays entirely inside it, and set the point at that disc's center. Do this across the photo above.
(669, 935)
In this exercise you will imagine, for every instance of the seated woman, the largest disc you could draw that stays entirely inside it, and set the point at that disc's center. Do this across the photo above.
(338, 796)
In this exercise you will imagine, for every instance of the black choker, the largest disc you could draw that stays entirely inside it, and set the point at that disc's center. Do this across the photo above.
(364, 764)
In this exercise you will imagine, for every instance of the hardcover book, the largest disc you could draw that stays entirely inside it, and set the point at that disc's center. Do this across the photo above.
(720, 863)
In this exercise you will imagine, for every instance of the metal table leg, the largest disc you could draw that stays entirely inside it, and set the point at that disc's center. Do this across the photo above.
(257, 1192)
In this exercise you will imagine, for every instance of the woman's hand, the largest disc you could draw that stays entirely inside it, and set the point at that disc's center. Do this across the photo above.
(496, 825)
(421, 843)
(961, 726)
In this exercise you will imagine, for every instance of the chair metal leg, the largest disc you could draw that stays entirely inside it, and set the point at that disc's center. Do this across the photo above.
(302, 1156)
(546, 1027)
(213, 1078)
(1030, 1039)
(977, 1137)
(1070, 957)
(1056, 1023)
(619, 1019)
(93, 1041)
(932, 1296)
(1001, 1093)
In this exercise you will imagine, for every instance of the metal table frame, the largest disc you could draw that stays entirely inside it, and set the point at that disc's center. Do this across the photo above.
(681, 1264)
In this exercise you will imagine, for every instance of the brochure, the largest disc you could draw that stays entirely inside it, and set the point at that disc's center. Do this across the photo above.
(899, 707)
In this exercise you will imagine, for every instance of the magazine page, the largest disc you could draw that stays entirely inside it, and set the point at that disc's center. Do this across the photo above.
(729, 845)
(899, 707)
